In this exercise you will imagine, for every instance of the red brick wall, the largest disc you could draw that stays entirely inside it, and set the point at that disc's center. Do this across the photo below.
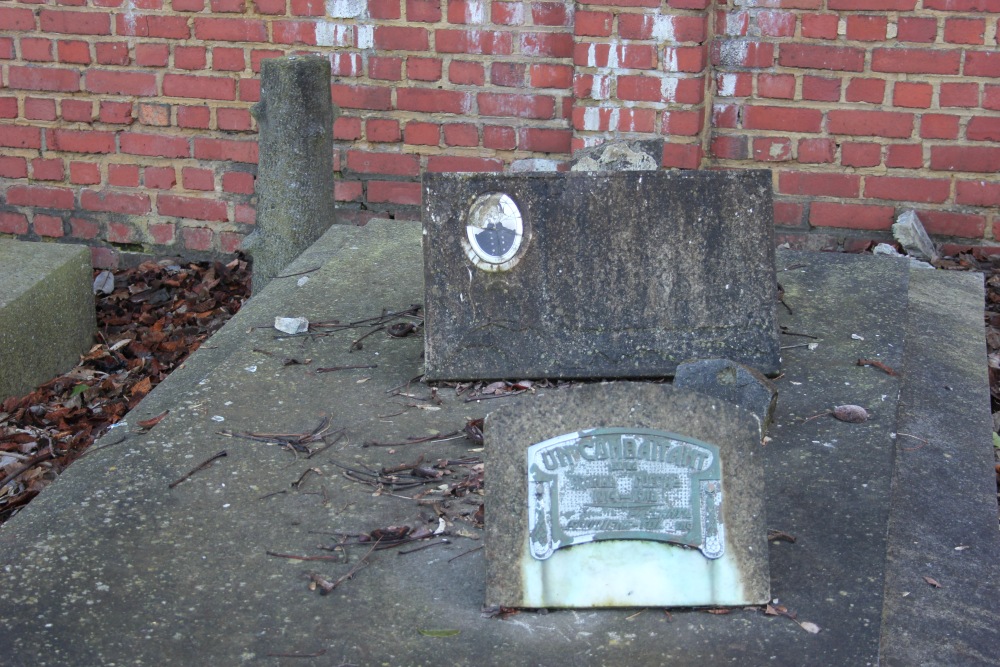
(125, 123)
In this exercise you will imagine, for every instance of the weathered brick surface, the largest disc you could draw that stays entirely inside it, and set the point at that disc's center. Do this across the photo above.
(129, 123)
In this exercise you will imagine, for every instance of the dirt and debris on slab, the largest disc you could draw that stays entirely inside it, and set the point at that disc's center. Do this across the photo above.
(149, 319)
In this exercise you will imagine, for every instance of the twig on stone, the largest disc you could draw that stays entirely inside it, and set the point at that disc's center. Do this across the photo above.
(201, 466)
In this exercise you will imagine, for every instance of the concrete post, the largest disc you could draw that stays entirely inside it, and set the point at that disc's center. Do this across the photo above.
(295, 202)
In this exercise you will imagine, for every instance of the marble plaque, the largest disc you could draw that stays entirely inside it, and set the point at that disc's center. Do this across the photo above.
(624, 494)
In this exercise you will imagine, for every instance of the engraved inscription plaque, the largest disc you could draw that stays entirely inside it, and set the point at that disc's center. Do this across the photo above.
(622, 484)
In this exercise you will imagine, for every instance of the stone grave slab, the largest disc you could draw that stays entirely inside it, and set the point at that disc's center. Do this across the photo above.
(47, 315)
(624, 494)
(597, 275)
(111, 566)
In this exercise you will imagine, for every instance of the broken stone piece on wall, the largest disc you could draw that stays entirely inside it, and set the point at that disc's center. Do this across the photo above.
(912, 236)
(643, 155)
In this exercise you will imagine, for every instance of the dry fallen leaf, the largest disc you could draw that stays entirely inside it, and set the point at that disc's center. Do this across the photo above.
(855, 414)
(152, 421)
(809, 627)
(932, 582)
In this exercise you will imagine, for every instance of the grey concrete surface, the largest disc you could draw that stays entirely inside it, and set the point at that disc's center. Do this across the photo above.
(46, 312)
(110, 566)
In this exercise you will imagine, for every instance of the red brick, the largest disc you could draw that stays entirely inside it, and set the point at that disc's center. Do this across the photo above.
(14, 136)
(449, 163)
(507, 13)
(426, 69)
(789, 119)
(123, 175)
(348, 190)
(982, 63)
(74, 23)
(684, 59)
(161, 233)
(464, 72)
(382, 130)
(152, 55)
(822, 184)
(964, 31)
(819, 26)
(631, 56)
(912, 95)
(225, 150)
(271, 7)
(7, 48)
(159, 178)
(870, 123)
(551, 76)
(43, 78)
(13, 167)
(423, 11)
(191, 207)
(623, 3)
(16, 19)
(245, 213)
(959, 95)
(401, 38)
(518, 106)
(47, 225)
(682, 156)
(230, 30)
(983, 128)
(778, 86)
(293, 32)
(238, 182)
(477, 42)
(307, 7)
(81, 141)
(866, 90)
(544, 140)
(963, 5)
(917, 61)
(597, 24)
(866, 28)
(83, 229)
(550, 13)
(201, 87)
(362, 97)
(977, 193)
(904, 156)
(154, 145)
(47, 169)
(383, 163)
(120, 83)
(546, 44)
(113, 53)
(39, 109)
(229, 242)
(41, 196)
(422, 134)
(235, 120)
(860, 154)
(116, 113)
(193, 178)
(190, 57)
(346, 128)
(772, 149)
(965, 158)
(159, 26)
(432, 100)
(873, 5)
(157, 115)
(8, 109)
(939, 126)
(499, 137)
(228, 60)
(916, 29)
(198, 238)
(187, 5)
(386, 69)
(194, 117)
(991, 97)
(13, 223)
(742, 53)
(816, 151)
(36, 50)
(851, 216)
(506, 74)
(947, 223)
(114, 202)
(788, 214)
(230, 6)
(387, 10)
(812, 56)
(820, 89)
(776, 24)
(72, 52)
(682, 123)
(394, 192)
(461, 134)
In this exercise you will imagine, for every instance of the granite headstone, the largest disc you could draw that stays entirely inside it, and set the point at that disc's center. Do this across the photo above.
(615, 275)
